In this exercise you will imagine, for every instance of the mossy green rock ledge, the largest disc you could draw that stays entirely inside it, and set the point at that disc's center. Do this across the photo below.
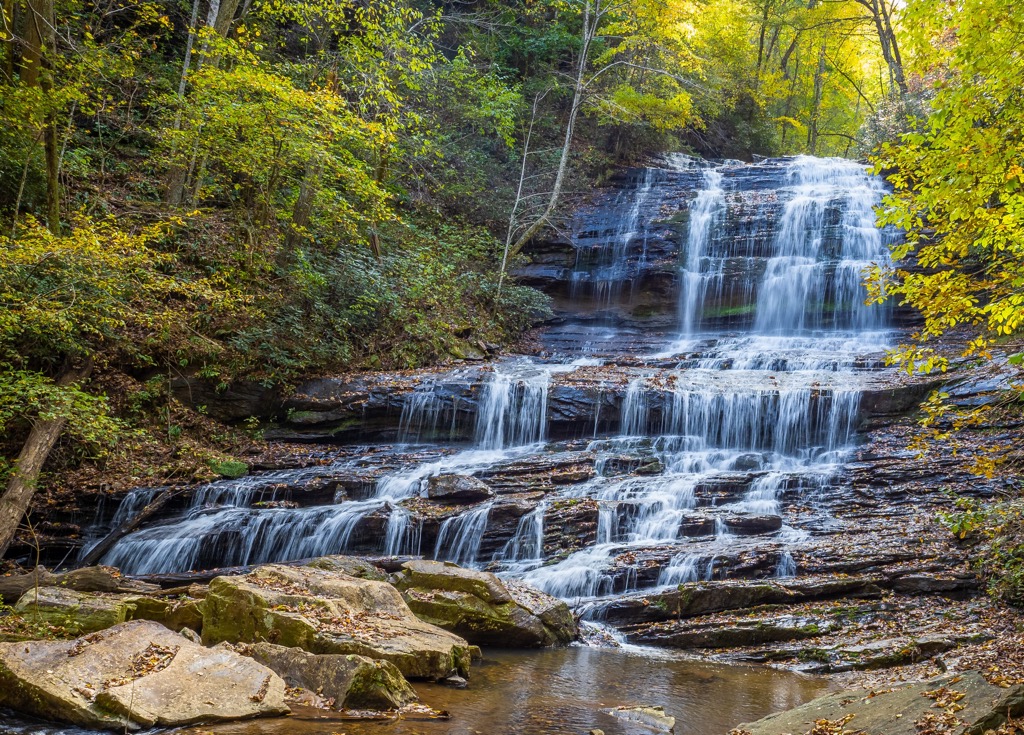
(76, 612)
(482, 608)
(135, 675)
(327, 612)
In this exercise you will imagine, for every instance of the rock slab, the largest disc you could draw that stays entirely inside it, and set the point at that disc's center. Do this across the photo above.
(136, 674)
(900, 711)
(351, 681)
(326, 612)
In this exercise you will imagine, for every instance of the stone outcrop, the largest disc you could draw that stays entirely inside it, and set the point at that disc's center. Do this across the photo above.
(327, 612)
(347, 680)
(482, 609)
(137, 674)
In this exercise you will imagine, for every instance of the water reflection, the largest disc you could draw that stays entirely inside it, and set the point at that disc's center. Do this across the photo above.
(562, 692)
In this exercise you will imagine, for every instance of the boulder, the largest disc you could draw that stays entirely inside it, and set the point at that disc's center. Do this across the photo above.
(349, 680)
(967, 698)
(76, 612)
(458, 489)
(330, 612)
(174, 614)
(136, 674)
(482, 609)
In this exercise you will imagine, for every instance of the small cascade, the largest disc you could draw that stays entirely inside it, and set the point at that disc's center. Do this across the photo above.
(459, 538)
(610, 252)
(527, 545)
(786, 567)
(513, 408)
(703, 272)
(682, 568)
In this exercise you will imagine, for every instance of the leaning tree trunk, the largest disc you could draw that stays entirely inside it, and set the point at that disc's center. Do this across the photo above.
(22, 485)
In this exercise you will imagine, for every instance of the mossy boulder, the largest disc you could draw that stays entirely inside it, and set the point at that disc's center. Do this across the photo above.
(76, 612)
(134, 675)
(326, 612)
(174, 614)
(351, 681)
(482, 609)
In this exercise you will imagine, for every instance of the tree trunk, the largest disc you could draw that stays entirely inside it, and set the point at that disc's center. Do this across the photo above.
(819, 88)
(10, 10)
(22, 485)
(881, 15)
(591, 20)
(37, 71)
(219, 16)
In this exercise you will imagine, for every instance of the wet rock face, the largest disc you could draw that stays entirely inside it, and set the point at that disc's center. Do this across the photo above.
(458, 489)
(136, 674)
(330, 613)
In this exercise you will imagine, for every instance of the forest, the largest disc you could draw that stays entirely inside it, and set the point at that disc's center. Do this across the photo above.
(250, 194)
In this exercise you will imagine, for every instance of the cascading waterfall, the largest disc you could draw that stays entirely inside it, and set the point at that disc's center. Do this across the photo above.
(754, 406)
(703, 271)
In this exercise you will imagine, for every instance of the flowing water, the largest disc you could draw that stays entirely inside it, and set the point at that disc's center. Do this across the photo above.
(746, 410)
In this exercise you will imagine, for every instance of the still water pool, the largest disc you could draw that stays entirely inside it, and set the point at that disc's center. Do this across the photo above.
(562, 692)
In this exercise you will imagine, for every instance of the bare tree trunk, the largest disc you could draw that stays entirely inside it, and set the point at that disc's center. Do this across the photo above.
(592, 15)
(881, 15)
(219, 16)
(37, 71)
(819, 88)
(513, 222)
(9, 8)
(175, 185)
(22, 485)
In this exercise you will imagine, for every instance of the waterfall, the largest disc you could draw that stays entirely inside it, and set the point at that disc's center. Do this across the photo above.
(702, 447)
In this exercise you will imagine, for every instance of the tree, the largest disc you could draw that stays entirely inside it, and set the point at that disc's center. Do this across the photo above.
(958, 188)
(70, 301)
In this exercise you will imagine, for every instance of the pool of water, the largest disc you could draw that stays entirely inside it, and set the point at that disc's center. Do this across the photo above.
(563, 692)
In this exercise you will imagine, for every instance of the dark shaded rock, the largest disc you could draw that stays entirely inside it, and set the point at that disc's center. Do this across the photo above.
(731, 634)
(748, 525)
(699, 598)
(349, 680)
(457, 489)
